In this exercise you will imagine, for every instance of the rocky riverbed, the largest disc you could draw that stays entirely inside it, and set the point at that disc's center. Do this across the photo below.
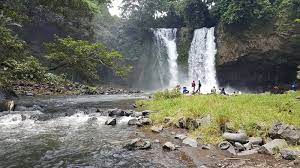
(107, 131)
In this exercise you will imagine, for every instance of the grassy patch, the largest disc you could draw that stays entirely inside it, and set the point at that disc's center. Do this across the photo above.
(254, 113)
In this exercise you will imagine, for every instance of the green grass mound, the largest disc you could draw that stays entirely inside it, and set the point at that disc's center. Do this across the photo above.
(254, 113)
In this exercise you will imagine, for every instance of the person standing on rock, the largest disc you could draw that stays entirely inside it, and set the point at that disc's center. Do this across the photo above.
(194, 86)
(199, 87)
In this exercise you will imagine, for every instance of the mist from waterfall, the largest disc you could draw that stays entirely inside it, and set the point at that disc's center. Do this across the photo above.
(166, 46)
(202, 59)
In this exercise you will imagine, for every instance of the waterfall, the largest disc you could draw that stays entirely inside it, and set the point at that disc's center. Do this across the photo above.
(202, 59)
(166, 46)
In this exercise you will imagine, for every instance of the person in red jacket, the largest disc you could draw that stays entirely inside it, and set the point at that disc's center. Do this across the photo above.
(194, 86)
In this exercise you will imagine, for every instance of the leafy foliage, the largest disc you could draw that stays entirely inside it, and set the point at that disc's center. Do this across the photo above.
(242, 12)
(196, 13)
(81, 58)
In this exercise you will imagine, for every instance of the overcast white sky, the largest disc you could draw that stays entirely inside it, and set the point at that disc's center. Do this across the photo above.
(114, 10)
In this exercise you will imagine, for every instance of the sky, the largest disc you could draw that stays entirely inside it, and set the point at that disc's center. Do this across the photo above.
(114, 10)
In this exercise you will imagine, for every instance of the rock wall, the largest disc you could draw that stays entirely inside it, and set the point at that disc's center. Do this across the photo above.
(259, 56)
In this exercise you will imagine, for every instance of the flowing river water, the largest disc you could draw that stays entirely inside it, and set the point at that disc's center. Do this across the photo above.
(70, 133)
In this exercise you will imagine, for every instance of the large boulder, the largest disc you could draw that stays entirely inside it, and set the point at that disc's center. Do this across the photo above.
(274, 146)
(236, 137)
(138, 144)
(282, 131)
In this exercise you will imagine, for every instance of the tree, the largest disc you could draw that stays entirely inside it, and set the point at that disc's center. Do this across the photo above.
(80, 59)
(242, 11)
(196, 13)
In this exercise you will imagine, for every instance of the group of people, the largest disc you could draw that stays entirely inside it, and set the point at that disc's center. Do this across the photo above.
(213, 90)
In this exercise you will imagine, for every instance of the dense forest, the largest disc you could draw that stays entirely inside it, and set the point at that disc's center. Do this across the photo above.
(78, 40)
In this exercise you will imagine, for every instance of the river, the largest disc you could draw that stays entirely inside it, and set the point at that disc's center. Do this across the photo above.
(68, 132)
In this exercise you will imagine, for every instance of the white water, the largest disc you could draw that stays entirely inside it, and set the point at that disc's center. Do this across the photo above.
(202, 59)
(167, 38)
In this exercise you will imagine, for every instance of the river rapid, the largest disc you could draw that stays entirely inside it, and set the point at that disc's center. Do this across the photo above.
(69, 132)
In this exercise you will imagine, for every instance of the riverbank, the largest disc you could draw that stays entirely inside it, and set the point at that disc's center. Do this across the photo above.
(253, 113)
(67, 88)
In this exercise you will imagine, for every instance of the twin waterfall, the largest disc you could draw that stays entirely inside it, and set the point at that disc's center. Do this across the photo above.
(201, 58)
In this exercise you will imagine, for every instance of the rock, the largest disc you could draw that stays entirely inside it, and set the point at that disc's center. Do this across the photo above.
(146, 113)
(190, 142)
(282, 131)
(173, 133)
(181, 123)
(145, 121)
(248, 146)
(239, 146)
(156, 141)
(204, 121)
(29, 94)
(134, 106)
(206, 147)
(138, 144)
(92, 119)
(114, 112)
(157, 129)
(23, 117)
(289, 154)
(169, 146)
(228, 127)
(231, 150)
(111, 121)
(256, 140)
(248, 152)
(274, 146)
(224, 145)
(236, 137)
(167, 120)
(191, 124)
(133, 121)
(138, 114)
(181, 136)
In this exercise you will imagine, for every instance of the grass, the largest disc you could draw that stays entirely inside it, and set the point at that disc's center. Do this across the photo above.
(254, 113)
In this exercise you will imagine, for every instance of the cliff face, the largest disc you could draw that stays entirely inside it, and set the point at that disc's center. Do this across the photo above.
(260, 56)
